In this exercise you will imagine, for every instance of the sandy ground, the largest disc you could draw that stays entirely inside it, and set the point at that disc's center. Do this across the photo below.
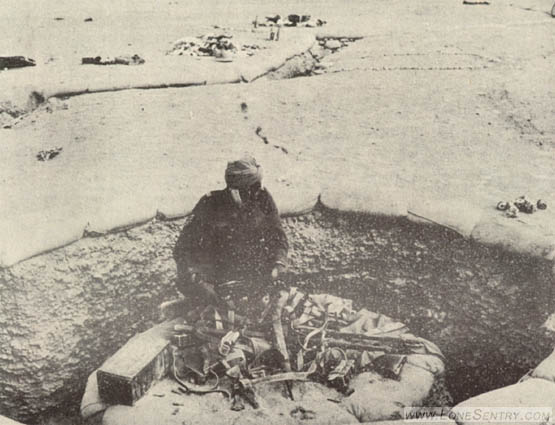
(438, 102)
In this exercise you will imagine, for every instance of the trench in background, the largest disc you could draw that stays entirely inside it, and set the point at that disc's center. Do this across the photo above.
(304, 64)
(308, 63)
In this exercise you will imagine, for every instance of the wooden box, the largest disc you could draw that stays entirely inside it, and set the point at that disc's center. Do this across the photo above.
(126, 376)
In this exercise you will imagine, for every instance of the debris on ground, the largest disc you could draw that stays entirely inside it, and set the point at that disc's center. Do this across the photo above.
(334, 43)
(292, 20)
(10, 114)
(295, 19)
(118, 60)
(205, 45)
(9, 62)
(216, 45)
(6, 120)
(300, 413)
(88, 19)
(472, 2)
(49, 154)
(521, 204)
(250, 49)
(294, 337)
(276, 19)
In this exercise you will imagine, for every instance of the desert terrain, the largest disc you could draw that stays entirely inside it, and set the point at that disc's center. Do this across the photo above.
(434, 109)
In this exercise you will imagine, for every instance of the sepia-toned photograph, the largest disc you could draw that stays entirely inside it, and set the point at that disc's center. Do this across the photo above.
(301, 212)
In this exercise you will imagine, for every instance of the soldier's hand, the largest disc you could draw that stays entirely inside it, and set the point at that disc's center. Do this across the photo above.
(209, 293)
(195, 275)
(277, 271)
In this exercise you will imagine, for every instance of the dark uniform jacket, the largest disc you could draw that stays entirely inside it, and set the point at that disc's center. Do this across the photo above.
(227, 242)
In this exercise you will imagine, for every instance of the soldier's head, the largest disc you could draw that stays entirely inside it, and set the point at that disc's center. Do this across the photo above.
(243, 178)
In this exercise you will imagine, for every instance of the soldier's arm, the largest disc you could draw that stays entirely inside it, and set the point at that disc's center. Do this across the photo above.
(274, 234)
(188, 250)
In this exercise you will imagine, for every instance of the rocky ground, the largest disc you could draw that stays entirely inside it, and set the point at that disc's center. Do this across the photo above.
(482, 306)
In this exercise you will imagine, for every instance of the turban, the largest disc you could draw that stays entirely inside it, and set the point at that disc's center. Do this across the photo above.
(243, 173)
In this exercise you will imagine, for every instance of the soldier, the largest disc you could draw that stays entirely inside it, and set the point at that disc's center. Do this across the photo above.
(234, 234)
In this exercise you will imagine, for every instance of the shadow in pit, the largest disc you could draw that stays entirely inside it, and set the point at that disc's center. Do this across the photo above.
(483, 306)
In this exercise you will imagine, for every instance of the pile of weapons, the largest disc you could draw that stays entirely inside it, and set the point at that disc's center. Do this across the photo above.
(118, 60)
(230, 355)
(205, 45)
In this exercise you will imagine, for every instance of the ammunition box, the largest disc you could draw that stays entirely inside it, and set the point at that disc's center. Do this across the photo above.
(131, 371)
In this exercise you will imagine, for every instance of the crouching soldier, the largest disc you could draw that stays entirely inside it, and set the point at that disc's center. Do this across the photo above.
(234, 234)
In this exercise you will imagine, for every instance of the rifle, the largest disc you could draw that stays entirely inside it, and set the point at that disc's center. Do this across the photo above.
(387, 344)
(280, 338)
